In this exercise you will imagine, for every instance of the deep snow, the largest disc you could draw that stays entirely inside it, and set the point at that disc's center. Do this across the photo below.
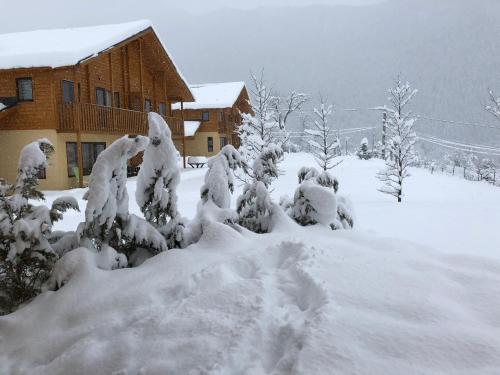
(299, 300)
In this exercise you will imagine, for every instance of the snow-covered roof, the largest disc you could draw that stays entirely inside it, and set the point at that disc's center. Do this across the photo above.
(2, 106)
(214, 95)
(62, 47)
(191, 127)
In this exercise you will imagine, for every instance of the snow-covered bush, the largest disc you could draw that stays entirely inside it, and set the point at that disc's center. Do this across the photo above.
(157, 182)
(107, 216)
(314, 204)
(401, 140)
(316, 201)
(307, 173)
(27, 243)
(363, 152)
(83, 259)
(254, 206)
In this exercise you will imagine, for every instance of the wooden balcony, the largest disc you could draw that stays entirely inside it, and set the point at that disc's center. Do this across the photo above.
(93, 118)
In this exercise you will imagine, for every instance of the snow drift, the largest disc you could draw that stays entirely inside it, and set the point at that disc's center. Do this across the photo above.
(301, 300)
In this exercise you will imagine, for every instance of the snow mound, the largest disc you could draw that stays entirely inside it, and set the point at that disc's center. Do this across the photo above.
(301, 300)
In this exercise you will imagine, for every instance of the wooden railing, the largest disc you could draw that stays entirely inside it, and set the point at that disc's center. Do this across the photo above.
(93, 118)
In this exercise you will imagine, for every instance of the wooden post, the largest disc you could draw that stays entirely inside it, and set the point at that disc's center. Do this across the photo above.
(141, 77)
(87, 74)
(183, 135)
(154, 104)
(130, 103)
(77, 125)
(165, 94)
(110, 63)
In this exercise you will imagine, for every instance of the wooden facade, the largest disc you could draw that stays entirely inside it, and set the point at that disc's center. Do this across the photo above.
(220, 126)
(108, 94)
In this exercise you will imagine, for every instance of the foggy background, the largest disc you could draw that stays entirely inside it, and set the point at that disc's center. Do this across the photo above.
(349, 51)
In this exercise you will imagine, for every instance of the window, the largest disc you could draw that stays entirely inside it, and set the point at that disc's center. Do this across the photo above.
(163, 109)
(42, 174)
(221, 116)
(72, 159)
(68, 91)
(223, 142)
(116, 96)
(109, 99)
(90, 151)
(24, 89)
(148, 106)
(210, 144)
(205, 116)
(100, 96)
(103, 97)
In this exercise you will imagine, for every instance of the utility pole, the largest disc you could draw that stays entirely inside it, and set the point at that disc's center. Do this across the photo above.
(346, 140)
(384, 127)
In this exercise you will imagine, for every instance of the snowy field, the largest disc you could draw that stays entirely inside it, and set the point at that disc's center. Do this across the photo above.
(412, 290)
(447, 213)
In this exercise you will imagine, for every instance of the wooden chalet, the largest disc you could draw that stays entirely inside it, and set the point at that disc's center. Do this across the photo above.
(212, 119)
(83, 88)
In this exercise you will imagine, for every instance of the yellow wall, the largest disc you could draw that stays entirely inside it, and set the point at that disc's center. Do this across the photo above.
(198, 145)
(12, 142)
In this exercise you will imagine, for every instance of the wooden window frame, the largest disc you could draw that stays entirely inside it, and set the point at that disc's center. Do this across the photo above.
(18, 79)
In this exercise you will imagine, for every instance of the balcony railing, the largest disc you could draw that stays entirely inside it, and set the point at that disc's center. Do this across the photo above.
(93, 118)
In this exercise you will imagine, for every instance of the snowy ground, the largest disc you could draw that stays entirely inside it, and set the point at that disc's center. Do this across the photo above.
(445, 212)
(413, 290)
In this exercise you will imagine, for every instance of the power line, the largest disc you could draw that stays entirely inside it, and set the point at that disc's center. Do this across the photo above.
(464, 149)
(460, 144)
(428, 118)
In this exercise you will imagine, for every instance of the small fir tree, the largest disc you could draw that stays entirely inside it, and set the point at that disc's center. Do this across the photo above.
(26, 239)
(157, 182)
(254, 206)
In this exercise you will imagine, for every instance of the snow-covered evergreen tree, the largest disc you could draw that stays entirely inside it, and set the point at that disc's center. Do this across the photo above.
(401, 138)
(26, 239)
(219, 179)
(254, 206)
(157, 182)
(107, 216)
(324, 143)
(363, 151)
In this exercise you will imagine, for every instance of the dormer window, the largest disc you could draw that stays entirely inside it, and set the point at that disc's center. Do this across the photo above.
(24, 89)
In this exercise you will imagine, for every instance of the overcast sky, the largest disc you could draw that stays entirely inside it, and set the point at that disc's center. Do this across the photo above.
(202, 5)
(64, 13)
